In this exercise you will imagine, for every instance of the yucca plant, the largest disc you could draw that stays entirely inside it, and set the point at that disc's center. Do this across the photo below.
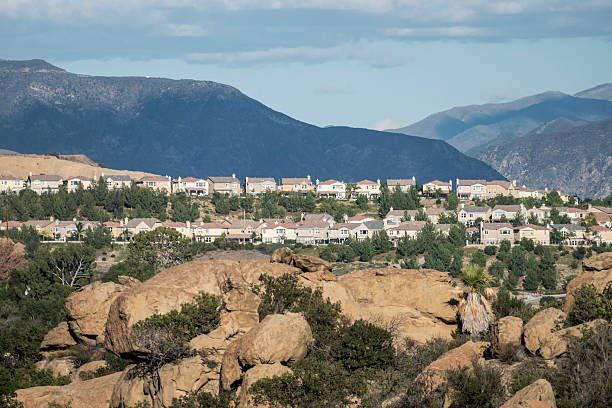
(474, 309)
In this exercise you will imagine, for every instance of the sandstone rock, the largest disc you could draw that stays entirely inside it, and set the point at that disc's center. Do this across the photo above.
(12, 256)
(58, 338)
(88, 369)
(175, 286)
(420, 303)
(506, 335)
(83, 394)
(556, 344)
(128, 281)
(88, 310)
(462, 356)
(536, 395)
(282, 255)
(257, 373)
(597, 271)
(540, 327)
(276, 339)
(305, 263)
(241, 299)
(59, 366)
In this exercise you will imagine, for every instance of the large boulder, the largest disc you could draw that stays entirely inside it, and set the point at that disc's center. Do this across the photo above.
(88, 370)
(59, 366)
(420, 304)
(540, 327)
(305, 263)
(596, 271)
(12, 256)
(556, 344)
(506, 335)
(463, 356)
(171, 288)
(82, 394)
(276, 339)
(58, 338)
(253, 375)
(88, 310)
(536, 395)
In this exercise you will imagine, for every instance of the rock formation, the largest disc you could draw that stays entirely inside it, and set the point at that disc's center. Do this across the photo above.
(536, 395)
(58, 338)
(12, 256)
(506, 335)
(556, 344)
(462, 356)
(304, 263)
(539, 328)
(596, 271)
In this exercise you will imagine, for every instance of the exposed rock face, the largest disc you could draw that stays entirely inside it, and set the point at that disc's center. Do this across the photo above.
(540, 327)
(506, 335)
(58, 366)
(462, 356)
(88, 310)
(597, 271)
(58, 338)
(175, 286)
(277, 339)
(421, 302)
(88, 368)
(81, 394)
(536, 395)
(12, 256)
(303, 262)
(556, 344)
(257, 373)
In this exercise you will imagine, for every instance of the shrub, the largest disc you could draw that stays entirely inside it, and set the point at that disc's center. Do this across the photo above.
(496, 269)
(526, 373)
(490, 250)
(478, 387)
(549, 301)
(506, 305)
(203, 399)
(479, 258)
(363, 345)
(590, 305)
(527, 244)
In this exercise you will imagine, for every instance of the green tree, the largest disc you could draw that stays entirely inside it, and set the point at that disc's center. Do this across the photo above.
(479, 258)
(474, 313)
(160, 248)
(452, 201)
(98, 237)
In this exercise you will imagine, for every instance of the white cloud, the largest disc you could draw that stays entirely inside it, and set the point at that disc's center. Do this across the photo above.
(184, 30)
(447, 32)
(385, 124)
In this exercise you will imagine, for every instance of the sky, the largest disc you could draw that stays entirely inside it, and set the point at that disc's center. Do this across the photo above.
(379, 64)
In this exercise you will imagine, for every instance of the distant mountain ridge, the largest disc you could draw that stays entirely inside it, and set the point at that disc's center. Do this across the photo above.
(201, 128)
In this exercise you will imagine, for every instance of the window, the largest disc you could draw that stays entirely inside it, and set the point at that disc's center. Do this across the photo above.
(151, 183)
(344, 232)
(504, 232)
(363, 232)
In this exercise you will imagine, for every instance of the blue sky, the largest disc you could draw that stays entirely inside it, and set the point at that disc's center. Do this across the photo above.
(366, 63)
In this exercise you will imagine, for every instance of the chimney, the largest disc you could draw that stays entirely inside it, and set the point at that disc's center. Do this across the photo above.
(390, 208)
(233, 175)
(413, 179)
(378, 181)
(308, 177)
(188, 224)
(317, 181)
(462, 205)
(345, 218)
(102, 175)
(125, 221)
(74, 220)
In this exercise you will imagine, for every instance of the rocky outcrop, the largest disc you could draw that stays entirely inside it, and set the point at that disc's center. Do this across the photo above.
(88, 369)
(253, 375)
(304, 263)
(597, 271)
(419, 303)
(88, 310)
(540, 327)
(58, 338)
(536, 395)
(59, 366)
(463, 356)
(12, 256)
(556, 344)
(506, 335)
(171, 288)
(81, 394)
(277, 339)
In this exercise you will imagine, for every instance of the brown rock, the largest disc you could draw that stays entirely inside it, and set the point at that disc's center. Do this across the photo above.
(311, 264)
(421, 303)
(282, 255)
(88, 368)
(241, 299)
(12, 256)
(128, 281)
(58, 338)
(536, 395)
(462, 356)
(88, 310)
(276, 339)
(506, 335)
(59, 366)
(257, 373)
(598, 262)
(597, 271)
(83, 394)
(556, 344)
(540, 327)
(171, 288)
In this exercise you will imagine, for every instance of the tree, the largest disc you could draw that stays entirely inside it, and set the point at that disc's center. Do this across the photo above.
(474, 308)
(553, 199)
(160, 248)
(381, 242)
(362, 202)
(98, 237)
(420, 215)
(548, 271)
(72, 264)
(350, 189)
(479, 258)
(452, 201)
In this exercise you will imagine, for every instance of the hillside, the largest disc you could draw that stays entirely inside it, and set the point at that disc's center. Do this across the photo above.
(188, 127)
(603, 91)
(576, 160)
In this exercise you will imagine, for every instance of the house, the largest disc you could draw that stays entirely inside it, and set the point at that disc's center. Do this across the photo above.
(443, 228)
(341, 232)
(191, 186)
(137, 225)
(158, 183)
(10, 183)
(540, 213)
(367, 188)
(184, 228)
(64, 230)
(43, 227)
(319, 217)
(395, 217)
(471, 189)
(208, 231)
(358, 219)
(468, 214)
(507, 212)
(39, 183)
(279, 233)
(526, 192)
(501, 187)
(258, 185)
(4, 225)
(297, 185)
(536, 233)
(576, 214)
(493, 233)
(224, 185)
(434, 214)
(602, 218)
(573, 234)
(367, 229)
(116, 229)
(117, 180)
(312, 232)
(601, 235)
(430, 188)
(243, 230)
(403, 184)
(73, 183)
(405, 229)
(331, 188)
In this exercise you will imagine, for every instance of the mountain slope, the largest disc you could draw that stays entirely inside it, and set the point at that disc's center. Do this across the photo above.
(576, 160)
(603, 91)
(189, 127)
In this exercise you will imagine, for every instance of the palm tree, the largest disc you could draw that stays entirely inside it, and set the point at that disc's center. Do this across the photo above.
(474, 310)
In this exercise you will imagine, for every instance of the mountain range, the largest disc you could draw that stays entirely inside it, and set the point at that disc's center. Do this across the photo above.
(201, 128)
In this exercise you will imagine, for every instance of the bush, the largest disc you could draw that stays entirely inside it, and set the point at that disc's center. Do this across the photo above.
(526, 373)
(549, 301)
(496, 269)
(590, 305)
(527, 244)
(505, 305)
(203, 399)
(363, 345)
(490, 250)
(478, 387)
(479, 258)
